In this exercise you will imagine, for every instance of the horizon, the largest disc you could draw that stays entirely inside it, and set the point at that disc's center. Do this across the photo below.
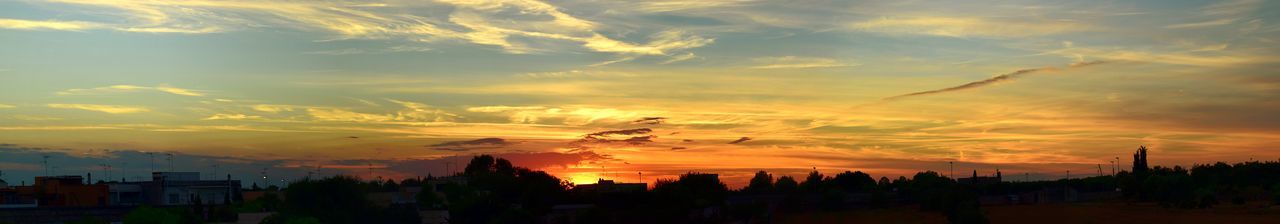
(589, 90)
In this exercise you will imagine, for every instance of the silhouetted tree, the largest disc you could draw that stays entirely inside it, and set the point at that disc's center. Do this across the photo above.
(813, 182)
(761, 183)
(853, 182)
(786, 184)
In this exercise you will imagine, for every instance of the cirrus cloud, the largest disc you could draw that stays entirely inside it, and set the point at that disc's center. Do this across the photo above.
(111, 109)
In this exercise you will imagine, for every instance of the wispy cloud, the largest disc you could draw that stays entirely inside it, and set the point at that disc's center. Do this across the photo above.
(1211, 23)
(111, 109)
(352, 51)
(131, 88)
(798, 62)
(993, 80)
(6, 106)
(577, 73)
(475, 22)
(232, 117)
(47, 25)
(966, 27)
(679, 5)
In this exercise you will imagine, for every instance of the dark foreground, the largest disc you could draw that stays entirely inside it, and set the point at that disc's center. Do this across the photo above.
(1094, 212)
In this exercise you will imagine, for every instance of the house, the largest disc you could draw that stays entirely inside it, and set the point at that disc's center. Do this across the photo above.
(977, 180)
(174, 188)
(56, 191)
(438, 186)
(609, 186)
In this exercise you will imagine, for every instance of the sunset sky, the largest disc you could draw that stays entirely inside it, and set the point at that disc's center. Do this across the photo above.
(585, 89)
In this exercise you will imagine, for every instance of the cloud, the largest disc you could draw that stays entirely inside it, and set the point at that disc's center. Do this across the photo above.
(273, 108)
(787, 62)
(335, 114)
(966, 27)
(740, 140)
(232, 117)
(627, 136)
(468, 145)
(476, 22)
(620, 132)
(567, 115)
(680, 58)
(352, 51)
(993, 80)
(111, 109)
(577, 73)
(1211, 23)
(495, 109)
(658, 6)
(1200, 56)
(47, 25)
(650, 120)
(131, 88)
(6, 106)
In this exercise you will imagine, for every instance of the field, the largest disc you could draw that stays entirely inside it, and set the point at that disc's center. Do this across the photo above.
(1096, 212)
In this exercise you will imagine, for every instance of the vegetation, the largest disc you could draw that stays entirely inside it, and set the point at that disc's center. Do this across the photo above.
(492, 190)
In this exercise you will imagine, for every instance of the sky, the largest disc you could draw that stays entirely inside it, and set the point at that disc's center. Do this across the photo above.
(623, 89)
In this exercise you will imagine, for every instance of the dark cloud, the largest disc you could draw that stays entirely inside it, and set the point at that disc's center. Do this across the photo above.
(459, 146)
(650, 120)
(533, 160)
(992, 80)
(627, 136)
(636, 131)
(740, 140)
(678, 148)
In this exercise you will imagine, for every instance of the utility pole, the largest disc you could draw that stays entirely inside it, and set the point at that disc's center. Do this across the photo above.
(1113, 167)
(1118, 164)
(1099, 169)
(953, 169)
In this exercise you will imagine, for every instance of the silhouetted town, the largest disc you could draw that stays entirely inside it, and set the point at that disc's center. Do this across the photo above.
(492, 190)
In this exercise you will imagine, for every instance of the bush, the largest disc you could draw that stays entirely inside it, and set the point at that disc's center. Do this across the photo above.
(149, 215)
(88, 220)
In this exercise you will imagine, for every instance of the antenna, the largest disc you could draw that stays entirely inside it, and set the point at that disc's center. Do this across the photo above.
(170, 158)
(106, 168)
(45, 161)
(153, 161)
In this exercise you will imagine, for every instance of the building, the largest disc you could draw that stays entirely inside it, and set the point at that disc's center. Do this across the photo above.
(55, 191)
(977, 180)
(174, 188)
(438, 186)
(609, 186)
